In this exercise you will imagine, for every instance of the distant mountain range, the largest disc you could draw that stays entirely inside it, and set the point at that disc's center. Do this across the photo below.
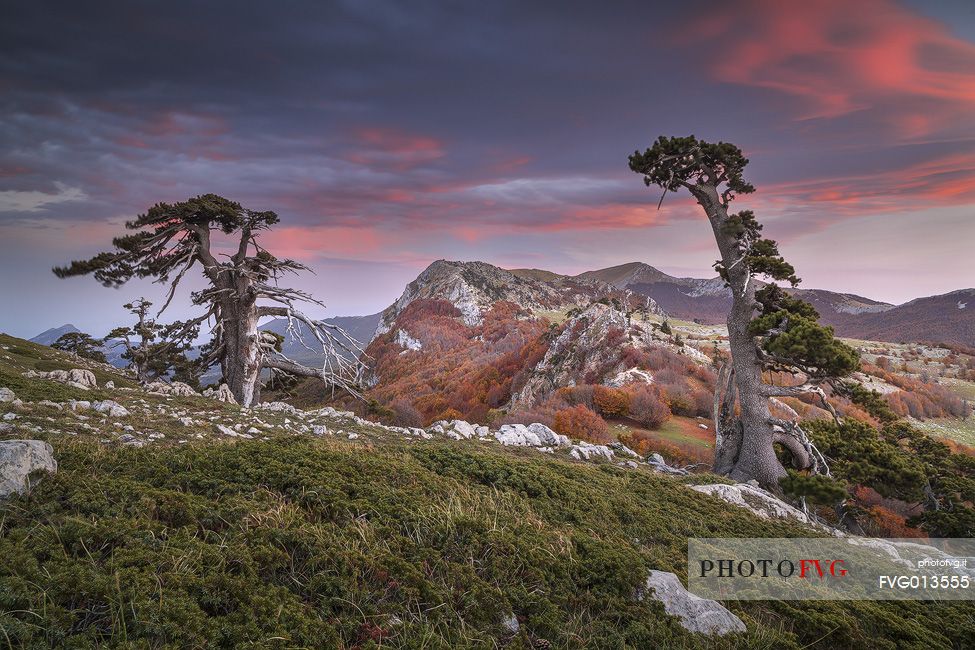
(360, 328)
(473, 287)
(945, 318)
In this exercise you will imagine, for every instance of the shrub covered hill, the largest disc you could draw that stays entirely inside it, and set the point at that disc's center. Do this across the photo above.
(176, 520)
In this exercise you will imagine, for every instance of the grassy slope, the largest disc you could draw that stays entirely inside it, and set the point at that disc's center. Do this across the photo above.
(302, 542)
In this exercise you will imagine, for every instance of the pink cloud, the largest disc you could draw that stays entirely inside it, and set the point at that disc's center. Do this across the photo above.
(838, 57)
(384, 147)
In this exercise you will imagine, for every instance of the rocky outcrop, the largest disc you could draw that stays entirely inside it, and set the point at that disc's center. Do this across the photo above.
(19, 459)
(407, 342)
(631, 376)
(222, 394)
(532, 435)
(6, 395)
(581, 349)
(588, 451)
(657, 462)
(694, 613)
(76, 377)
(176, 388)
(760, 502)
(110, 408)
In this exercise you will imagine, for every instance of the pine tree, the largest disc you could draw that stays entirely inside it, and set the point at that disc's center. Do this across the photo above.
(170, 239)
(154, 349)
(81, 344)
(768, 329)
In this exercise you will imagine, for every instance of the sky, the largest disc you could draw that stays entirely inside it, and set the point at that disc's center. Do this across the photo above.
(389, 134)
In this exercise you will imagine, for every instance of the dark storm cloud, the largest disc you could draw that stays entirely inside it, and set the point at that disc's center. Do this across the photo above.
(121, 100)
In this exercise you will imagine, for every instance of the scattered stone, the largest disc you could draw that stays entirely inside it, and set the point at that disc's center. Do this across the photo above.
(18, 459)
(176, 388)
(110, 408)
(49, 403)
(588, 451)
(511, 624)
(464, 429)
(9, 416)
(696, 614)
(6, 427)
(620, 448)
(760, 502)
(702, 426)
(110, 385)
(130, 440)
(227, 431)
(76, 377)
(6, 395)
(319, 430)
(278, 407)
(222, 394)
(533, 435)
(79, 405)
(353, 436)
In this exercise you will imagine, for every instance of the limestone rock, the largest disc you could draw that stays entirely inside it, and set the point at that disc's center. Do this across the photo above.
(588, 451)
(6, 395)
(534, 435)
(76, 377)
(18, 458)
(222, 394)
(631, 376)
(110, 408)
(760, 502)
(696, 614)
(227, 431)
(176, 388)
(278, 407)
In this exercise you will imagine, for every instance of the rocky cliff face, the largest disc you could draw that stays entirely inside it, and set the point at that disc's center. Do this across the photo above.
(583, 349)
(589, 350)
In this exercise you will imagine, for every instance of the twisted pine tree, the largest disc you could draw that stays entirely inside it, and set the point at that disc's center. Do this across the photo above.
(170, 239)
(768, 329)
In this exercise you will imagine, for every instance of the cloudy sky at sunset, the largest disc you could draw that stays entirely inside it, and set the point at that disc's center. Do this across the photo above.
(390, 134)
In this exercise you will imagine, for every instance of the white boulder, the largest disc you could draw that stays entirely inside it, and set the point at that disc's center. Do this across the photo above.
(110, 408)
(222, 394)
(533, 435)
(176, 388)
(18, 459)
(76, 377)
(588, 451)
(696, 614)
(760, 502)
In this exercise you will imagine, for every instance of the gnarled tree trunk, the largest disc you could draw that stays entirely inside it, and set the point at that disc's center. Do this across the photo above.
(749, 454)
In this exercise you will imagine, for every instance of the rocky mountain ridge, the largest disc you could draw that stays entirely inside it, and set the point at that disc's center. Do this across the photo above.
(474, 287)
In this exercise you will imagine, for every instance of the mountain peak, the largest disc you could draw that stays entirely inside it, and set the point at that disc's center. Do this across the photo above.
(622, 275)
(474, 287)
(47, 337)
